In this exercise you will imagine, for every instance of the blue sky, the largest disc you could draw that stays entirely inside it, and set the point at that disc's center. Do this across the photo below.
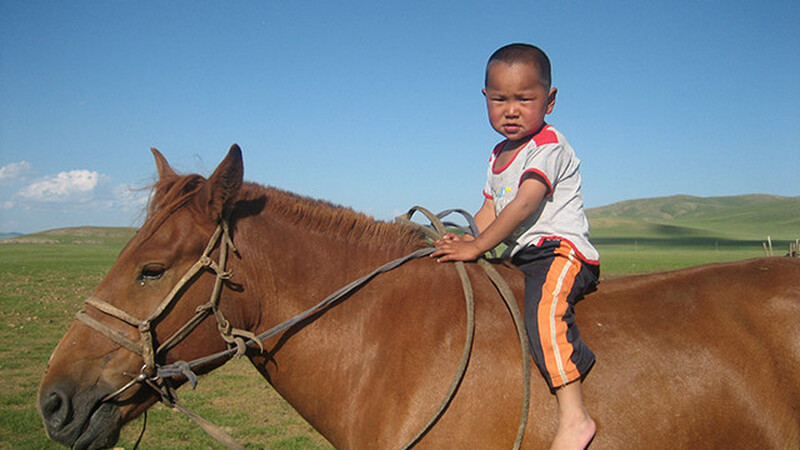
(377, 105)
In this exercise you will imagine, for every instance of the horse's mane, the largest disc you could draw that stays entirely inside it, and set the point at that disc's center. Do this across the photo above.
(333, 221)
(173, 193)
(170, 194)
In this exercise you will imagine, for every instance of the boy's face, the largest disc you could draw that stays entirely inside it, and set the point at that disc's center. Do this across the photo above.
(516, 99)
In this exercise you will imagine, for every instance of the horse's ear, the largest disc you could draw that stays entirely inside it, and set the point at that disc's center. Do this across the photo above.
(164, 170)
(224, 183)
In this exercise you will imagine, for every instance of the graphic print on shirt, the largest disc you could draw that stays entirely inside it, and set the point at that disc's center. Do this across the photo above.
(503, 197)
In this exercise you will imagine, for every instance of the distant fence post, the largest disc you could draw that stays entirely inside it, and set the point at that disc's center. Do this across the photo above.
(794, 248)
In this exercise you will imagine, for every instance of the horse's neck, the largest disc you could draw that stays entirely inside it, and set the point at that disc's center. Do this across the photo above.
(291, 268)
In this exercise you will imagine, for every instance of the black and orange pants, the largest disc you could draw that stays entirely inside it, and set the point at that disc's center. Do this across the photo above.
(555, 280)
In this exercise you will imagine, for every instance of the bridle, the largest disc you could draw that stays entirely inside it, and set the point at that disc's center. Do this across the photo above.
(146, 346)
(154, 375)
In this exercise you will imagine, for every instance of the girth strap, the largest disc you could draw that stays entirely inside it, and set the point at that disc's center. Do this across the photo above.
(469, 298)
(506, 294)
(519, 324)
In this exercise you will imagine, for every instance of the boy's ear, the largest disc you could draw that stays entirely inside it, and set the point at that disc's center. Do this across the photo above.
(551, 100)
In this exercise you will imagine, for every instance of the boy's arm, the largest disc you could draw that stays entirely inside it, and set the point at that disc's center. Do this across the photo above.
(530, 194)
(485, 216)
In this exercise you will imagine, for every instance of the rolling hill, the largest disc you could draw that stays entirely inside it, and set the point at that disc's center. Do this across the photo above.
(698, 219)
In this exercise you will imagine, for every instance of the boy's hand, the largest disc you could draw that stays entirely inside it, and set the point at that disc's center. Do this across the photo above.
(466, 248)
(454, 248)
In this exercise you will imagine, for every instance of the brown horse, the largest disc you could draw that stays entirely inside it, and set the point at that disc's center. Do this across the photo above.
(707, 357)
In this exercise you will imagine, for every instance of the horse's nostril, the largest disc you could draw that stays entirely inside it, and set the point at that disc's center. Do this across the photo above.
(55, 409)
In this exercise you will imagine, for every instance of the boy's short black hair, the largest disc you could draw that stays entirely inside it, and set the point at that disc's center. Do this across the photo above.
(523, 53)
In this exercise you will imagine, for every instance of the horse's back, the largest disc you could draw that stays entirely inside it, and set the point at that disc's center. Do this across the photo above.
(705, 356)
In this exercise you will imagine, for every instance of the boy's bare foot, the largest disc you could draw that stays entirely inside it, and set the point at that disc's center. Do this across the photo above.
(574, 434)
(575, 427)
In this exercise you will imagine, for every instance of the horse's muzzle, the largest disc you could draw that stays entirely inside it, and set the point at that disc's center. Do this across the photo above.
(78, 418)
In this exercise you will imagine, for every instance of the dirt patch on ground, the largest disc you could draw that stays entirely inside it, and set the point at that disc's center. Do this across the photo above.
(76, 235)
(97, 232)
(29, 240)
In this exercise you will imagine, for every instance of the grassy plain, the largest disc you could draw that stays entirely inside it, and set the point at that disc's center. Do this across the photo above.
(44, 278)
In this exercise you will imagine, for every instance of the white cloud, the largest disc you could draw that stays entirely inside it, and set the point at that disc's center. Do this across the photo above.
(75, 185)
(14, 172)
(70, 198)
(83, 188)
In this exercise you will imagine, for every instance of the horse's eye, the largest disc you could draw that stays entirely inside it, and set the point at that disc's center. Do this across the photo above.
(151, 272)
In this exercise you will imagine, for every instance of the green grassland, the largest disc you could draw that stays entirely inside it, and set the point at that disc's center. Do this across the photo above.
(667, 233)
(44, 278)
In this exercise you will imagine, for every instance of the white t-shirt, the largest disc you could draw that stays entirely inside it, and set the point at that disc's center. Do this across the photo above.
(560, 215)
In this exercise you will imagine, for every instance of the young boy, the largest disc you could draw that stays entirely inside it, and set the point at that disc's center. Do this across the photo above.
(533, 203)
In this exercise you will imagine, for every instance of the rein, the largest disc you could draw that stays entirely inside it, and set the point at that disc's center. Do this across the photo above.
(155, 376)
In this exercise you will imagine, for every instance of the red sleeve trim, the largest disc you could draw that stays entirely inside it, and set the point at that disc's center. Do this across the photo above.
(487, 195)
(538, 174)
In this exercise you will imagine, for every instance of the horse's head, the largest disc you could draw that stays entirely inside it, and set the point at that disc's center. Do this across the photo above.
(103, 373)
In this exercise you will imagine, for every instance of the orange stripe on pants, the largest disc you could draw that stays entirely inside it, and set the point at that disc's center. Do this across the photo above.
(552, 307)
